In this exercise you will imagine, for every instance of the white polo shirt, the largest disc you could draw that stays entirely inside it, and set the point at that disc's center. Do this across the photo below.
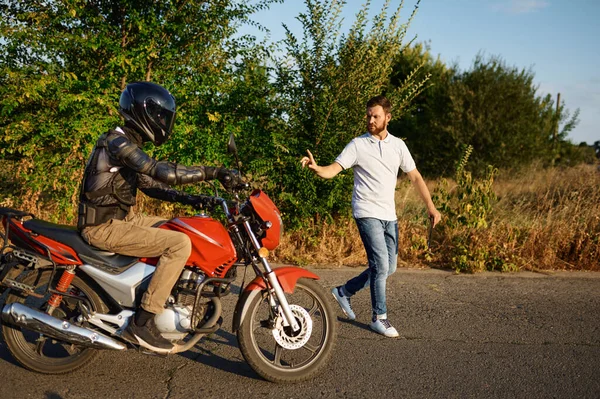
(376, 164)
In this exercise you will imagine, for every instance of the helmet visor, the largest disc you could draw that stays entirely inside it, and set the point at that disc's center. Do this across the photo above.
(163, 117)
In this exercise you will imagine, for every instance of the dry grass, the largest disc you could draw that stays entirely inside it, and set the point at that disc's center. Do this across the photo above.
(551, 218)
(339, 244)
(544, 219)
(336, 244)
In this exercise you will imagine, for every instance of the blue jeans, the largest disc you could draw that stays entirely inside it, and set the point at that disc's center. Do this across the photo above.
(380, 238)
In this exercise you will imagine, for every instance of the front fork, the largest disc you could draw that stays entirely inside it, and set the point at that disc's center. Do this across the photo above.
(288, 316)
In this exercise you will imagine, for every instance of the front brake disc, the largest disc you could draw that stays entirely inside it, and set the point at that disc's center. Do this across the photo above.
(288, 339)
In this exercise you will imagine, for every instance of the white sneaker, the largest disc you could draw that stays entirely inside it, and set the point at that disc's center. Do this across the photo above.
(344, 302)
(384, 327)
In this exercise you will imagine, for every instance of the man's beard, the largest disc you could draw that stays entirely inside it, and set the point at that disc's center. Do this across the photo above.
(376, 130)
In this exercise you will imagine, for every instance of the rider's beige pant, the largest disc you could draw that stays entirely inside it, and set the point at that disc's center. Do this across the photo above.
(135, 236)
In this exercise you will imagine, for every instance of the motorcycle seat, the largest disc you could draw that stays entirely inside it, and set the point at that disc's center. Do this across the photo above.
(13, 213)
(69, 235)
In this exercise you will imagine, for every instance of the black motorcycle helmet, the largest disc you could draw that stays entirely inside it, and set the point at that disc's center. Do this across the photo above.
(151, 110)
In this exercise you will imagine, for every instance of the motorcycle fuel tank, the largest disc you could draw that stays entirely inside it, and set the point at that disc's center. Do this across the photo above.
(212, 249)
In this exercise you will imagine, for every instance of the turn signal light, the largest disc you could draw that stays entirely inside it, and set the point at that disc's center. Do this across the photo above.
(263, 252)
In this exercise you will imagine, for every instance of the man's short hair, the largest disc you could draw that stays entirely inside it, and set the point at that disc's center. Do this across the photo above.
(382, 101)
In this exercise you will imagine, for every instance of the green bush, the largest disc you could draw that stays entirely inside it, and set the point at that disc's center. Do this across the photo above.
(467, 208)
(323, 82)
(63, 65)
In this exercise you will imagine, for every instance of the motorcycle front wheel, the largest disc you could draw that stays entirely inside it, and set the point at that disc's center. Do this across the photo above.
(44, 354)
(279, 354)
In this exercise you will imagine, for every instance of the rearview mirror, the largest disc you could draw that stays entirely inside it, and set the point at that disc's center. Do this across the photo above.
(231, 145)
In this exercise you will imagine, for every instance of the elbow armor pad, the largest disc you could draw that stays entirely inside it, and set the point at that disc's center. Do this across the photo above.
(191, 174)
(173, 174)
(166, 172)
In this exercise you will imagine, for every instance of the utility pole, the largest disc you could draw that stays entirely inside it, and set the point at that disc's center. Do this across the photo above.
(555, 135)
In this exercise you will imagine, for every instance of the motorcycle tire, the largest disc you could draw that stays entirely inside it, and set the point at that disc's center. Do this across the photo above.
(43, 354)
(305, 353)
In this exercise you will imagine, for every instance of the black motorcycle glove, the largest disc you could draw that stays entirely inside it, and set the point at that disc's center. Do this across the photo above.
(200, 201)
(228, 177)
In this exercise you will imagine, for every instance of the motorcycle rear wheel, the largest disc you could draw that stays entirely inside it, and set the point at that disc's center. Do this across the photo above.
(269, 358)
(44, 354)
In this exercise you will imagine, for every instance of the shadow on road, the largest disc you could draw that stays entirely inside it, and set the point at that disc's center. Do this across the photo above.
(205, 355)
(222, 337)
(355, 323)
(6, 356)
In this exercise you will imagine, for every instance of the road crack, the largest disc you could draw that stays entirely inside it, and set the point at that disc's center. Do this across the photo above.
(172, 374)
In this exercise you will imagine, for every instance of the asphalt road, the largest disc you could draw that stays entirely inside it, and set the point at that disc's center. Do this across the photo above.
(525, 335)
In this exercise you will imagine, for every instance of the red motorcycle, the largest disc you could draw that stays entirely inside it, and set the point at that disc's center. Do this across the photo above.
(68, 299)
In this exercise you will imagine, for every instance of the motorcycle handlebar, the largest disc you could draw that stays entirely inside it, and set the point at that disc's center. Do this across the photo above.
(206, 201)
(241, 186)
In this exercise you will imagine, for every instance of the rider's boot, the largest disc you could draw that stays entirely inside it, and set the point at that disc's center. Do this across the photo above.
(144, 330)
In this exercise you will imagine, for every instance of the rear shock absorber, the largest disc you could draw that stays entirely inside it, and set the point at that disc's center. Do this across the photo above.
(62, 286)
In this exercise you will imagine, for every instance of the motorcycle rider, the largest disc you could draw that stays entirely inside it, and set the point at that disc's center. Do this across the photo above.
(116, 169)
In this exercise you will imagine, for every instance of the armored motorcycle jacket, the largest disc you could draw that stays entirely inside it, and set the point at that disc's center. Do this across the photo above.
(118, 167)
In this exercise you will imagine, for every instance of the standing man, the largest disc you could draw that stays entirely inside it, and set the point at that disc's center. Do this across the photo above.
(376, 157)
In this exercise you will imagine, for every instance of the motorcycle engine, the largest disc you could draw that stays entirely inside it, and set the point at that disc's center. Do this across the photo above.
(175, 321)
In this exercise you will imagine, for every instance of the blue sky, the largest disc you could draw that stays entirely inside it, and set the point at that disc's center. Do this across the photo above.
(557, 39)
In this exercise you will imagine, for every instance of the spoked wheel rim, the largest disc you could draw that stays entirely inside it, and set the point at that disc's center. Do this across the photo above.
(314, 332)
(37, 351)
(42, 348)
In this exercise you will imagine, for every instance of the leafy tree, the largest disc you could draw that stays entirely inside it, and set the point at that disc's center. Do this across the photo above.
(63, 64)
(422, 126)
(492, 107)
(323, 83)
(569, 154)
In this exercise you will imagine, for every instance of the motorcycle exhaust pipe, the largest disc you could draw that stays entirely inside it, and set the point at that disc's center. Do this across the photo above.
(31, 319)
(212, 325)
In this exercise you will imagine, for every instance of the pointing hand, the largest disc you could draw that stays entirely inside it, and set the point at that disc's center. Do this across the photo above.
(309, 161)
